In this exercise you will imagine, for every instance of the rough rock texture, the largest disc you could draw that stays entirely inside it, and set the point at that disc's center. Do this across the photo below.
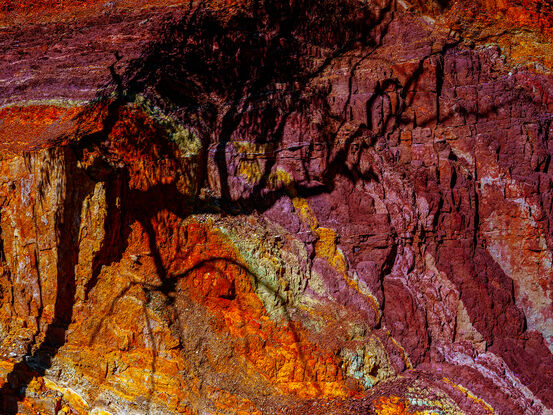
(265, 207)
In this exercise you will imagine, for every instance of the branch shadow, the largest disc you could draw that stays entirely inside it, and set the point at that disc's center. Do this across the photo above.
(211, 76)
(237, 64)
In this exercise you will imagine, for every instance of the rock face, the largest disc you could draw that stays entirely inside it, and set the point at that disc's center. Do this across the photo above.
(265, 207)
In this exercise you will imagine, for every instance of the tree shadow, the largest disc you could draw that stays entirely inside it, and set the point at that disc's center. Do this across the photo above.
(220, 79)
(240, 63)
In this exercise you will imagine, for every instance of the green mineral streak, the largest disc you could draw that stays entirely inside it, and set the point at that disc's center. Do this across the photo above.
(428, 405)
(280, 271)
(280, 280)
(188, 142)
(52, 102)
(354, 361)
(369, 364)
(434, 402)
(264, 264)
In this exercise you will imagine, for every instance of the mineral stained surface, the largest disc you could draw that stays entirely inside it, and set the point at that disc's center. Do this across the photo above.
(276, 207)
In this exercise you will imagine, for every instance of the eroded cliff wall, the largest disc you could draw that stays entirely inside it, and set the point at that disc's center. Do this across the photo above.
(275, 207)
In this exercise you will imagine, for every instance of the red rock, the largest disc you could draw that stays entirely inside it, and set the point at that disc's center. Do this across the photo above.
(275, 207)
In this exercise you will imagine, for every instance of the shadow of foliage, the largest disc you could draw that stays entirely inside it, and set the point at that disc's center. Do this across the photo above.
(220, 78)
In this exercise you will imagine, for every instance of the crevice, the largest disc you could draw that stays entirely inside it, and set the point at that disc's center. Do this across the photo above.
(439, 85)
